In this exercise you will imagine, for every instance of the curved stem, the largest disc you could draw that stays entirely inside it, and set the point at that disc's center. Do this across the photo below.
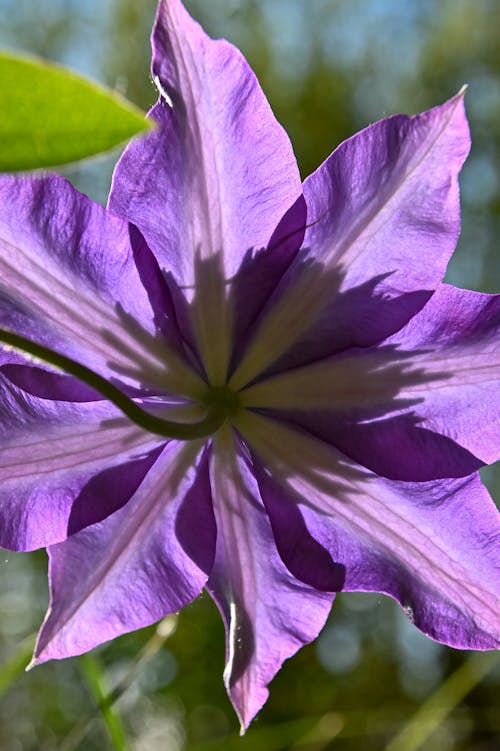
(145, 420)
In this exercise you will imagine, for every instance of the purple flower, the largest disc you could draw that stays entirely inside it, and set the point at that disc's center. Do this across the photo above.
(359, 394)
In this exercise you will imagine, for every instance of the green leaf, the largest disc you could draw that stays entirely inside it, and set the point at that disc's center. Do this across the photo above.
(50, 116)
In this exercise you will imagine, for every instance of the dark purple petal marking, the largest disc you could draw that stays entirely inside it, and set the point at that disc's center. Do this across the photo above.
(304, 556)
(108, 491)
(156, 287)
(399, 448)
(46, 385)
(261, 271)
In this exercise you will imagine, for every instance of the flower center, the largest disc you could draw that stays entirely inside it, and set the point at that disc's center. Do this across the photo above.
(222, 401)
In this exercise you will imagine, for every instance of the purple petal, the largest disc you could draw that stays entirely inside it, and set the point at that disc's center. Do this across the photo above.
(398, 448)
(155, 284)
(69, 280)
(219, 156)
(268, 614)
(141, 563)
(108, 491)
(261, 272)
(383, 220)
(456, 343)
(214, 180)
(431, 546)
(425, 405)
(48, 385)
(58, 463)
(301, 553)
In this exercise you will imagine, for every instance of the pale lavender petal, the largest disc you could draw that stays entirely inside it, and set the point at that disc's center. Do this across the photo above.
(383, 220)
(432, 546)
(219, 158)
(146, 560)
(14, 316)
(213, 181)
(267, 612)
(63, 466)
(68, 280)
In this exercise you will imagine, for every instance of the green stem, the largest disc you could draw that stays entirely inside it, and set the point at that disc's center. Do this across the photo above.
(434, 710)
(94, 675)
(145, 420)
(106, 700)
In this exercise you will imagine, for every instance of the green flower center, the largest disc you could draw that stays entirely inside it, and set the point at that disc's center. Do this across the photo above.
(222, 401)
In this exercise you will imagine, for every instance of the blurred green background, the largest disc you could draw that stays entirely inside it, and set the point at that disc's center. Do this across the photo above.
(329, 67)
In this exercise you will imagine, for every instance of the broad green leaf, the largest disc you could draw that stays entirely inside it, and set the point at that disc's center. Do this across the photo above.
(51, 116)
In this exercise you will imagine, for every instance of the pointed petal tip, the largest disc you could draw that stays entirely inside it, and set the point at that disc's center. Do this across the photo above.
(247, 707)
(457, 106)
(36, 660)
(242, 719)
(244, 723)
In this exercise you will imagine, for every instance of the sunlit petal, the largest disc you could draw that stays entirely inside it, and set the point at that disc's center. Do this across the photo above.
(68, 278)
(423, 405)
(214, 180)
(432, 546)
(383, 217)
(52, 462)
(137, 565)
(268, 613)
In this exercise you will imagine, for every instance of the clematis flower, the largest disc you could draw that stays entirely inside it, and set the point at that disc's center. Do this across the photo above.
(307, 404)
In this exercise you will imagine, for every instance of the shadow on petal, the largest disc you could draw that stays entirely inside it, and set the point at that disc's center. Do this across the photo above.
(108, 491)
(195, 521)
